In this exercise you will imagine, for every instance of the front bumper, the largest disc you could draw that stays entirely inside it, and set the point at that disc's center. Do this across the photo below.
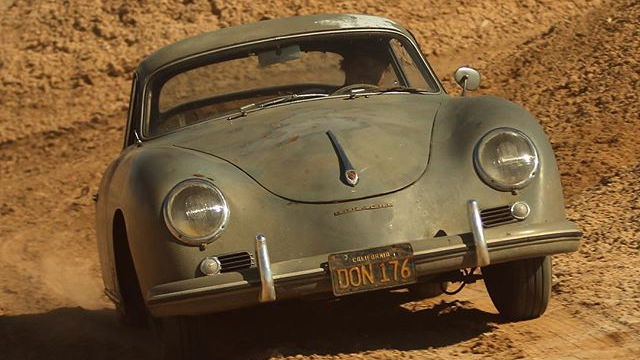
(310, 277)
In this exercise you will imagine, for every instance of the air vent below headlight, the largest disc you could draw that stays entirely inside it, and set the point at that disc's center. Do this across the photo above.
(235, 261)
(496, 216)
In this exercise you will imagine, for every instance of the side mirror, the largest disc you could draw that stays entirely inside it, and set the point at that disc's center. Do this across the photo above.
(468, 78)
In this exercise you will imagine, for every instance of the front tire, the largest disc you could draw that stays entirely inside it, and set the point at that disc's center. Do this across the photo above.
(521, 289)
(132, 316)
(181, 337)
(131, 309)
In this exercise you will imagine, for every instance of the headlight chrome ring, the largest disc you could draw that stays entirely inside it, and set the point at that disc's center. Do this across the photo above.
(506, 159)
(195, 211)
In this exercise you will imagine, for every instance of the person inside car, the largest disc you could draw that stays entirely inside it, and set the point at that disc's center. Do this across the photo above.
(364, 66)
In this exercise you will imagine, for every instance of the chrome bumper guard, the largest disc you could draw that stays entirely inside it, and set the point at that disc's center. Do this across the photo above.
(482, 253)
(268, 290)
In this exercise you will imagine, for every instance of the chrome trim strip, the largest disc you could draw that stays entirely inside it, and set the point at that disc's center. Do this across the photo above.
(454, 250)
(349, 174)
(169, 296)
(482, 253)
(300, 274)
(268, 289)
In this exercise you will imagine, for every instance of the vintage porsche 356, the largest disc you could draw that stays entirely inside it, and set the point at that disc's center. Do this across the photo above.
(319, 156)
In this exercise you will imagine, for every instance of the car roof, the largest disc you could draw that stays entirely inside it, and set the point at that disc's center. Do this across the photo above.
(262, 30)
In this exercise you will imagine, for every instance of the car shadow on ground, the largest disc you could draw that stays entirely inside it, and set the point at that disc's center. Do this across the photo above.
(281, 329)
(354, 325)
(73, 333)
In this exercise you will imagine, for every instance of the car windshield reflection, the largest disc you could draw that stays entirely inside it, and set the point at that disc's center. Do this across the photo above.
(272, 73)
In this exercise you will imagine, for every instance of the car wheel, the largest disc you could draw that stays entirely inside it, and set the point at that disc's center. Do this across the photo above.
(131, 309)
(520, 290)
(181, 337)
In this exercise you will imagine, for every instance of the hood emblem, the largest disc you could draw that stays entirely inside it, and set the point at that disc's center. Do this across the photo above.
(349, 174)
(352, 177)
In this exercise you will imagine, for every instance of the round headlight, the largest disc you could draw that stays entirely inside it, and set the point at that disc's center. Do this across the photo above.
(195, 211)
(506, 159)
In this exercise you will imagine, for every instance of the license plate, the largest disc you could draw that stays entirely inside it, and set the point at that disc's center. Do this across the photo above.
(371, 269)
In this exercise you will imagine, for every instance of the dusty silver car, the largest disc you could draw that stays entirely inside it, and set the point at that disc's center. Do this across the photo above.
(319, 157)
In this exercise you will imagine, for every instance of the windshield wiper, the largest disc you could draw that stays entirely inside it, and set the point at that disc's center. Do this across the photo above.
(403, 89)
(279, 100)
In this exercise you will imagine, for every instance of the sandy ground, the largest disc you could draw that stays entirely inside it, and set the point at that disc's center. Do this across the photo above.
(64, 81)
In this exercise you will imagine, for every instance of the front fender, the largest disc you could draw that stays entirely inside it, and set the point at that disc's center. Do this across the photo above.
(138, 187)
(460, 124)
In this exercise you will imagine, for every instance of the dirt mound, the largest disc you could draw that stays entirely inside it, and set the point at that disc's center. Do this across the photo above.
(581, 79)
(64, 82)
(600, 276)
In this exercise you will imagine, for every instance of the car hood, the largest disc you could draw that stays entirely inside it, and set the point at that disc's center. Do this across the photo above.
(287, 150)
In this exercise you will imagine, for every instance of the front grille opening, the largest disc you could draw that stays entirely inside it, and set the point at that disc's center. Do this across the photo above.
(496, 216)
(236, 261)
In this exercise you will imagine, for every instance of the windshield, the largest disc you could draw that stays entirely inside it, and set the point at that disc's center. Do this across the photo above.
(307, 67)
